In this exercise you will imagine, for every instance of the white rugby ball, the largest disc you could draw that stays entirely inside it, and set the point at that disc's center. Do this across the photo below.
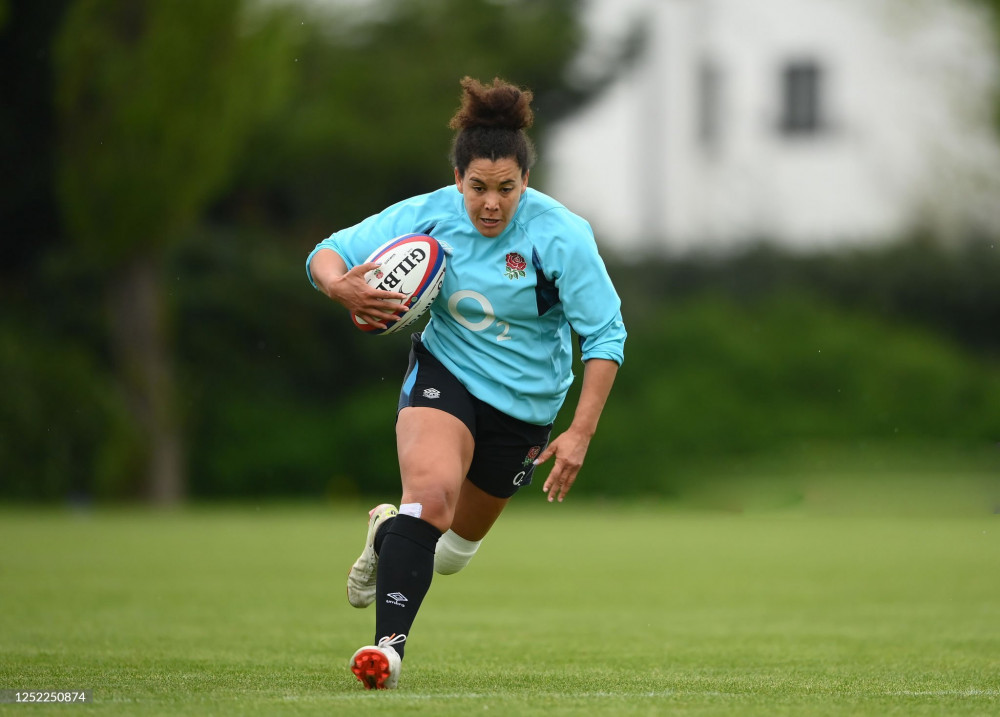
(412, 264)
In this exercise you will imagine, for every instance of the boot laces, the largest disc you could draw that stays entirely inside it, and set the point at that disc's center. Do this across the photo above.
(391, 640)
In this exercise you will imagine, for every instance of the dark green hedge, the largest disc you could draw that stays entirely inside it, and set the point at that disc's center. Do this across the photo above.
(752, 360)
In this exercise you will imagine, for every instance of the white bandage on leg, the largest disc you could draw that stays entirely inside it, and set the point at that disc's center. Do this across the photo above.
(414, 509)
(453, 552)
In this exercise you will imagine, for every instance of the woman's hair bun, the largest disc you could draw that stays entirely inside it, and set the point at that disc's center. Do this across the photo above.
(501, 105)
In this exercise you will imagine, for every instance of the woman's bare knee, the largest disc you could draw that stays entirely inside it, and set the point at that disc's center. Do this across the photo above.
(432, 502)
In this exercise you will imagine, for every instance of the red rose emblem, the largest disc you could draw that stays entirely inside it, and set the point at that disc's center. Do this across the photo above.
(515, 266)
(516, 262)
(532, 454)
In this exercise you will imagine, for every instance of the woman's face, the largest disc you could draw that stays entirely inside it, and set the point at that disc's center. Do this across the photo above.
(491, 191)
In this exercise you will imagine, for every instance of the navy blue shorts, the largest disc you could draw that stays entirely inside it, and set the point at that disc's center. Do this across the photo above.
(505, 447)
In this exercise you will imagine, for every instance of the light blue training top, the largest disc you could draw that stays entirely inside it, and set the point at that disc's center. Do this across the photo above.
(502, 322)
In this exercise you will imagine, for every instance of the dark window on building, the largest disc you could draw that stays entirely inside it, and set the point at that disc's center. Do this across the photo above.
(802, 98)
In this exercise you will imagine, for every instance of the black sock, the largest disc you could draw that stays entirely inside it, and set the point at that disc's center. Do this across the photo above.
(405, 569)
(380, 534)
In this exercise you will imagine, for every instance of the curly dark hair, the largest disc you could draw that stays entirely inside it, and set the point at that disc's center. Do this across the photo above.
(490, 124)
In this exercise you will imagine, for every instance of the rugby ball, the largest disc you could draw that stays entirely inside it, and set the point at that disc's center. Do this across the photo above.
(412, 264)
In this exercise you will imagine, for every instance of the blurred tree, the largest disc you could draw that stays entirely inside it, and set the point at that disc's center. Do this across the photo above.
(369, 122)
(154, 102)
(28, 220)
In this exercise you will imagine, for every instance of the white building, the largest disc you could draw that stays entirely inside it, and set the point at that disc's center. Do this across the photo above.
(807, 123)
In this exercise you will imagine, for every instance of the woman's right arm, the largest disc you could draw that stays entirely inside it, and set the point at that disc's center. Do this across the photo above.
(349, 288)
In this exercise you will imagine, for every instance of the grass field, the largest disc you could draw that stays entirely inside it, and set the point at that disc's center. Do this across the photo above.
(578, 608)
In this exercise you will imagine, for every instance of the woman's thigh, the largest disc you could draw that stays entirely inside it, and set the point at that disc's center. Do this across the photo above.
(435, 451)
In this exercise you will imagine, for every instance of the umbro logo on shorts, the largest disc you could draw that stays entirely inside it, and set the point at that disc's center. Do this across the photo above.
(432, 393)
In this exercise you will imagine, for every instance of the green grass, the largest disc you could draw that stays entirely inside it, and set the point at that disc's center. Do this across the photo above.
(578, 608)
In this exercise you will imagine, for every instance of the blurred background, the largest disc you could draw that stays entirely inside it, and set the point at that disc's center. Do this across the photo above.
(799, 201)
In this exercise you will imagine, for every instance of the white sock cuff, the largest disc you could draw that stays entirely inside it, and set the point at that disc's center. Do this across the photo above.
(453, 552)
(459, 543)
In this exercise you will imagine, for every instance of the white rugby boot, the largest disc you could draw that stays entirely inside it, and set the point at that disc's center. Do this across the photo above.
(378, 666)
(361, 579)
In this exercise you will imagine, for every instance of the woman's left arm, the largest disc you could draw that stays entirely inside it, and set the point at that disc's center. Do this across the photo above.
(570, 447)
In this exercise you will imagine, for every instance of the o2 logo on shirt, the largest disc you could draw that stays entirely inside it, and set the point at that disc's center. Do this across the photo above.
(489, 317)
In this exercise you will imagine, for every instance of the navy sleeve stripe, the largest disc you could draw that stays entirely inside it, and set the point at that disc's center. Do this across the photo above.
(546, 293)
